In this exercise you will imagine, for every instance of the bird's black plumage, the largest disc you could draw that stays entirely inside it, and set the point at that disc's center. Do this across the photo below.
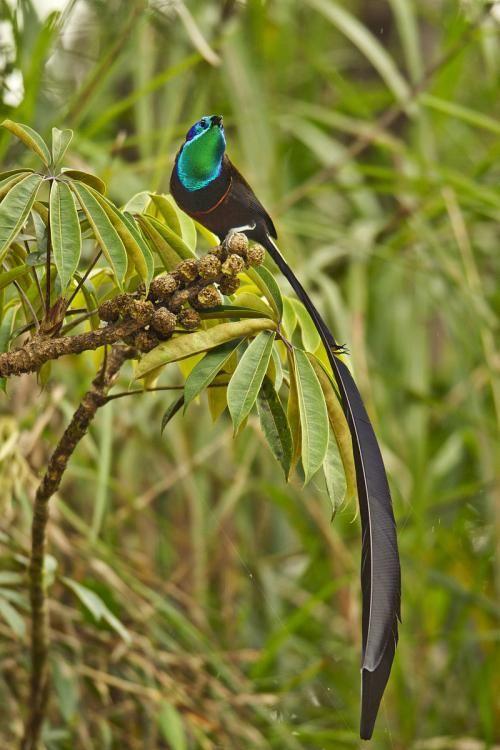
(228, 202)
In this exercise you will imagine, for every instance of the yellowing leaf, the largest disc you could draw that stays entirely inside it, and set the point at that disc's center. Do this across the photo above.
(339, 426)
(164, 205)
(188, 344)
(253, 302)
(88, 179)
(30, 138)
(217, 401)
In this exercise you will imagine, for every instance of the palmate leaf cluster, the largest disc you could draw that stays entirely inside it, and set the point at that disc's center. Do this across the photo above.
(258, 350)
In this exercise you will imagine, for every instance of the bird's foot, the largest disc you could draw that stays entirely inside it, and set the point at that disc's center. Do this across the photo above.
(339, 349)
(236, 230)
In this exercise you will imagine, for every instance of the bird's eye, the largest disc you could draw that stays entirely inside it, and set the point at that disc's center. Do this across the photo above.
(203, 123)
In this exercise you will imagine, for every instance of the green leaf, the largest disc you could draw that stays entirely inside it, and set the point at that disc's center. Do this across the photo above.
(9, 578)
(135, 246)
(30, 138)
(89, 179)
(87, 290)
(15, 208)
(313, 415)
(97, 608)
(407, 21)
(207, 235)
(5, 334)
(217, 401)
(169, 257)
(253, 302)
(470, 116)
(292, 410)
(64, 232)
(367, 44)
(11, 178)
(206, 370)
(233, 311)
(42, 211)
(310, 335)
(171, 412)
(138, 203)
(40, 227)
(5, 176)
(12, 596)
(185, 345)
(270, 289)
(289, 317)
(165, 207)
(60, 142)
(171, 727)
(15, 273)
(275, 425)
(283, 633)
(278, 368)
(9, 182)
(104, 231)
(12, 618)
(188, 230)
(154, 83)
(245, 384)
(66, 687)
(149, 263)
(173, 239)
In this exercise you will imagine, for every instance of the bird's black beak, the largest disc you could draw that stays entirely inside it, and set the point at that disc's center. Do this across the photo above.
(217, 120)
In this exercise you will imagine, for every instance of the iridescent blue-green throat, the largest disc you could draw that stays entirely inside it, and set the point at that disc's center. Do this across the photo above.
(200, 158)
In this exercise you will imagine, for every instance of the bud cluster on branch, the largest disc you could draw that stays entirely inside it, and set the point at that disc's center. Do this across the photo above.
(174, 303)
(175, 299)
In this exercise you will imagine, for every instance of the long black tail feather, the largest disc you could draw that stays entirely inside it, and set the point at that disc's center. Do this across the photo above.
(380, 567)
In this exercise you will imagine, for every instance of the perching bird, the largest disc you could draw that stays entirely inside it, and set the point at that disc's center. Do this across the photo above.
(208, 187)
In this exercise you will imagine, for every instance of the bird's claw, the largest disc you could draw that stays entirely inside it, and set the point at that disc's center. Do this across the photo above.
(339, 349)
(236, 230)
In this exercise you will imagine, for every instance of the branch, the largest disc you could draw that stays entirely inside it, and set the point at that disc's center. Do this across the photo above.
(36, 352)
(191, 282)
(140, 322)
(95, 397)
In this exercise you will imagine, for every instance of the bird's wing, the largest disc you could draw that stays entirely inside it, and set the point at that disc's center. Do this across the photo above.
(242, 192)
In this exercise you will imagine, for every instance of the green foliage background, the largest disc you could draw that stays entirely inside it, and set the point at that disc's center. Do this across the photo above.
(241, 598)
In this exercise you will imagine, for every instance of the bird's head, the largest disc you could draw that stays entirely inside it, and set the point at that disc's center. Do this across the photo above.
(200, 158)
